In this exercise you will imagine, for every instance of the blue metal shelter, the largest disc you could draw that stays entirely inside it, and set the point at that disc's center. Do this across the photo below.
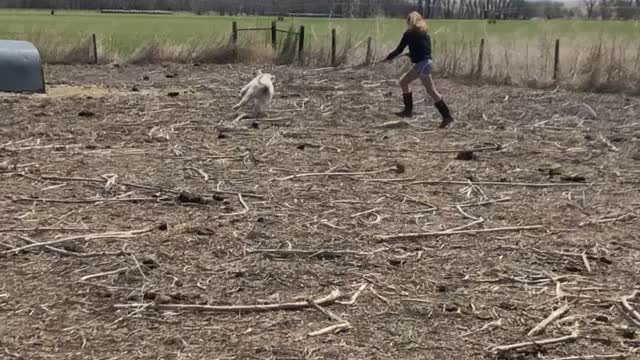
(20, 67)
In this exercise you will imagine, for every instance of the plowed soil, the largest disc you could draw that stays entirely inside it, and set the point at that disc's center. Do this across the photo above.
(161, 213)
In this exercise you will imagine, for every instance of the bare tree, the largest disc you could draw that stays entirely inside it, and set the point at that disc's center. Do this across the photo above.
(606, 9)
(590, 5)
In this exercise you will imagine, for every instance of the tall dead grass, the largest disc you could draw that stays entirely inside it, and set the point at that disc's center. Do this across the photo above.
(593, 64)
(602, 65)
(59, 49)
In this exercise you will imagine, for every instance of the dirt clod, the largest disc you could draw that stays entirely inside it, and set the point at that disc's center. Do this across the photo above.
(86, 113)
(72, 247)
(163, 299)
(150, 261)
(466, 155)
(628, 333)
(187, 197)
(573, 178)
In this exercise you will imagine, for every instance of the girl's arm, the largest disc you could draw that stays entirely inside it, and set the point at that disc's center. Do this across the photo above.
(399, 49)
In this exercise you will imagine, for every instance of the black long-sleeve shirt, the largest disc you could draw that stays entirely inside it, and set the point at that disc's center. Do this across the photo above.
(419, 44)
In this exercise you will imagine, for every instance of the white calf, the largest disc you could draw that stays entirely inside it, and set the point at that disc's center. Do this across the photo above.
(259, 92)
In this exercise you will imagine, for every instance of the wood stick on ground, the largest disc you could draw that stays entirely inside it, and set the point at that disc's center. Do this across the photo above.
(137, 186)
(608, 143)
(309, 253)
(462, 232)
(539, 328)
(365, 212)
(340, 326)
(629, 308)
(493, 324)
(480, 203)
(422, 301)
(75, 254)
(593, 357)
(391, 180)
(139, 267)
(462, 227)
(355, 296)
(106, 273)
(204, 175)
(455, 151)
(551, 341)
(242, 116)
(328, 313)
(331, 329)
(470, 217)
(46, 228)
(327, 300)
(374, 292)
(296, 176)
(564, 253)
(498, 183)
(243, 211)
(88, 201)
(276, 119)
(105, 235)
(585, 260)
(39, 147)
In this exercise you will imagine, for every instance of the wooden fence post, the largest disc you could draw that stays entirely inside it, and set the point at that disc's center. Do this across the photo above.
(556, 61)
(301, 43)
(480, 58)
(234, 33)
(333, 47)
(95, 49)
(273, 34)
(369, 51)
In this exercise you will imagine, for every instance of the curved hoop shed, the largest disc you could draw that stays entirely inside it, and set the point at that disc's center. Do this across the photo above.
(20, 67)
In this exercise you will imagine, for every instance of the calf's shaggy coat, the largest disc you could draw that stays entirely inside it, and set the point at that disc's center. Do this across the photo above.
(258, 93)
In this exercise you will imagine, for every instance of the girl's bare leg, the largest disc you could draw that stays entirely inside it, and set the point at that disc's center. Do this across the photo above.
(406, 79)
(427, 81)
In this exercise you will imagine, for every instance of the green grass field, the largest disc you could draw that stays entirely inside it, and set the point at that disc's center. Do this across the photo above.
(125, 33)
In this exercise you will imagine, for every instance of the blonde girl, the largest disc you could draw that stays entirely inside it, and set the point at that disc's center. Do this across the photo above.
(417, 38)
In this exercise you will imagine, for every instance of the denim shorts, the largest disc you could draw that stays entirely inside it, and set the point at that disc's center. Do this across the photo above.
(424, 67)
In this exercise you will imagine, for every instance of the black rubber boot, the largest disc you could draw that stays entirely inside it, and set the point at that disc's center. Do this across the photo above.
(447, 119)
(408, 106)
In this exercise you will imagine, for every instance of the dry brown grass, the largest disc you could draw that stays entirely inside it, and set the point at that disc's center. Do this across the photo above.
(56, 49)
(595, 65)
(605, 65)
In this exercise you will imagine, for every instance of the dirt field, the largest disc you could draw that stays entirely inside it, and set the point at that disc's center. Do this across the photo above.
(553, 188)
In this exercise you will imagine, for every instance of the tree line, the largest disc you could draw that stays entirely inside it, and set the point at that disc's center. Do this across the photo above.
(443, 9)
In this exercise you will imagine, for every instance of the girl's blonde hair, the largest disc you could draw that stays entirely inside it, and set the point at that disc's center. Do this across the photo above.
(415, 21)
